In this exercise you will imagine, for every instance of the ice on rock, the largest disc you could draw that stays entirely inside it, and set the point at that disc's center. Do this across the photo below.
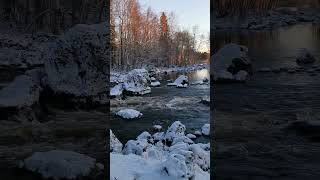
(135, 147)
(206, 129)
(116, 90)
(129, 114)
(115, 144)
(181, 81)
(175, 130)
(57, 164)
(137, 82)
(191, 136)
(201, 157)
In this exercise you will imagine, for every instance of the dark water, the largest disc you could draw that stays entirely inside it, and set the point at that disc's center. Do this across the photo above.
(251, 119)
(163, 106)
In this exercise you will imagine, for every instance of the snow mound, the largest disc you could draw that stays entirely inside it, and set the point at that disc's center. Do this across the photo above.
(206, 129)
(115, 144)
(129, 114)
(137, 82)
(58, 164)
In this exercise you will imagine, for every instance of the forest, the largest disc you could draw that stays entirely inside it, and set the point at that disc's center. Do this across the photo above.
(141, 37)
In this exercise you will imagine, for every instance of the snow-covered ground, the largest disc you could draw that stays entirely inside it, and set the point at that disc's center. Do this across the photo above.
(169, 155)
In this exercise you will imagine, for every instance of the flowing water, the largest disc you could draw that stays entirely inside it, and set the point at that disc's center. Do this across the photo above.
(251, 119)
(163, 106)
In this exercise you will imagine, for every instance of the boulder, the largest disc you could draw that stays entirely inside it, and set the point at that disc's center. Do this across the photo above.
(305, 57)
(129, 114)
(137, 82)
(182, 81)
(175, 130)
(57, 164)
(228, 61)
(206, 129)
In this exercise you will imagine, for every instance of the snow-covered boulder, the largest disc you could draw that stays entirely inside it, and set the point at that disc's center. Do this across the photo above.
(181, 81)
(77, 63)
(153, 79)
(175, 166)
(129, 114)
(135, 147)
(206, 129)
(137, 82)
(116, 90)
(115, 144)
(183, 139)
(197, 133)
(177, 129)
(201, 157)
(228, 61)
(191, 136)
(157, 127)
(305, 57)
(155, 84)
(159, 136)
(57, 164)
(145, 135)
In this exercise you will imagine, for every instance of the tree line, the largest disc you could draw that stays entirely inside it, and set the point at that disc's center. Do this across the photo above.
(52, 15)
(141, 37)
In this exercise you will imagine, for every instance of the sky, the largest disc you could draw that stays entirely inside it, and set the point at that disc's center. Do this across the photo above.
(188, 12)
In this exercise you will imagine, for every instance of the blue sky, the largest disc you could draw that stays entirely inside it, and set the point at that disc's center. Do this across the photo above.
(189, 12)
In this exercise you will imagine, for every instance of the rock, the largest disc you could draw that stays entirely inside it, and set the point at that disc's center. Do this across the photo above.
(155, 84)
(116, 90)
(135, 147)
(191, 136)
(137, 82)
(115, 144)
(157, 127)
(198, 133)
(129, 114)
(145, 135)
(201, 157)
(159, 136)
(175, 166)
(153, 79)
(305, 57)
(57, 164)
(205, 100)
(183, 139)
(76, 64)
(241, 76)
(206, 129)
(182, 81)
(228, 61)
(205, 80)
(305, 127)
(175, 130)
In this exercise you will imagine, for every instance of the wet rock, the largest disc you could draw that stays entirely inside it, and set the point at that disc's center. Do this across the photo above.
(57, 164)
(305, 57)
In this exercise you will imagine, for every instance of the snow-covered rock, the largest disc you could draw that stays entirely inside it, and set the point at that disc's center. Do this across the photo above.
(181, 81)
(153, 79)
(145, 135)
(182, 86)
(129, 114)
(116, 90)
(191, 136)
(183, 139)
(175, 166)
(137, 82)
(159, 136)
(76, 64)
(175, 130)
(305, 57)
(206, 129)
(135, 147)
(157, 127)
(228, 61)
(201, 157)
(155, 84)
(197, 133)
(115, 144)
(57, 164)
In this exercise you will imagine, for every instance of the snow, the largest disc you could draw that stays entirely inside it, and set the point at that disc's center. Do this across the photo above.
(155, 84)
(59, 164)
(129, 114)
(206, 129)
(23, 91)
(153, 79)
(197, 133)
(115, 144)
(116, 90)
(191, 136)
(137, 82)
(143, 159)
(182, 86)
